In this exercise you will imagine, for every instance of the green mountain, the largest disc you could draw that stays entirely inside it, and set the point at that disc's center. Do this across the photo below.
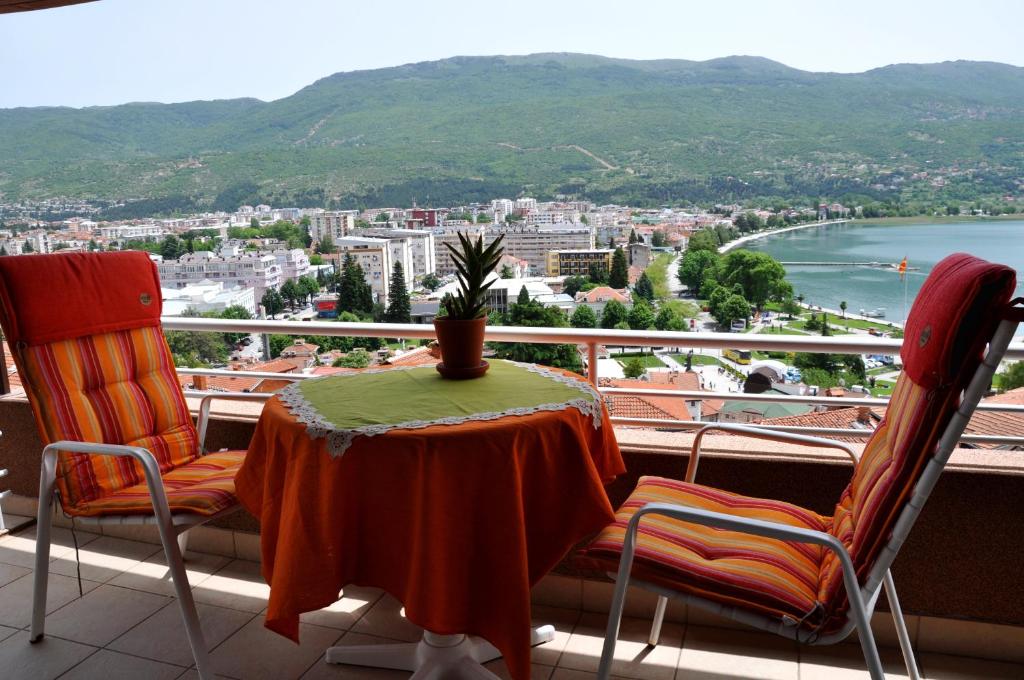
(471, 128)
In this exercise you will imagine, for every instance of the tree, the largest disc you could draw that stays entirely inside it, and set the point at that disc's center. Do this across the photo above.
(583, 317)
(598, 273)
(506, 272)
(235, 312)
(1012, 377)
(790, 307)
(618, 277)
(194, 349)
(399, 308)
(354, 294)
(842, 308)
(733, 308)
(382, 217)
(431, 282)
(356, 358)
(309, 287)
(290, 291)
(694, 266)
(760, 275)
(633, 238)
(272, 302)
(171, 248)
(28, 247)
(641, 317)
(705, 239)
(3, 251)
(254, 223)
(669, 319)
(613, 314)
(573, 285)
(279, 343)
(326, 245)
(658, 239)
(531, 313)
(644, 288)
(634, 368)
(316, 259)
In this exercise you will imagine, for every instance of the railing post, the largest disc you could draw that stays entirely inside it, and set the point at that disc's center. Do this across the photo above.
(592, 362)
(5, 381)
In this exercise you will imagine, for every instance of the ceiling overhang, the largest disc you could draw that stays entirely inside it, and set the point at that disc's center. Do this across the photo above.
(9, 6)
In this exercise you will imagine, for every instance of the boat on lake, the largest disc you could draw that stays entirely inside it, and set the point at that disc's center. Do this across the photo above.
(876, 313)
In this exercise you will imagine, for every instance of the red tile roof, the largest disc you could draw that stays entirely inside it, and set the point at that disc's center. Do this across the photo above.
(12, 371)
(848, 418)
(667, 407)
(428, 355)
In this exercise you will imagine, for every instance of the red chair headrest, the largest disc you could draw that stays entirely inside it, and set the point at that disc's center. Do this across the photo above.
(954, 317)
(45, 298)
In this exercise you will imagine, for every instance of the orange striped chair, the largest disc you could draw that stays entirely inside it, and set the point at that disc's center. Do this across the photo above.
(121, 446)
(785, 569)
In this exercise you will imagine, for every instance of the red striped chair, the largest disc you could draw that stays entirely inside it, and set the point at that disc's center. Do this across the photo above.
(121, 446)
(786, 569)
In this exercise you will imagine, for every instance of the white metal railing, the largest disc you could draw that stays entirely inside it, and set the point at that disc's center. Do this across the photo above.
(592, 338)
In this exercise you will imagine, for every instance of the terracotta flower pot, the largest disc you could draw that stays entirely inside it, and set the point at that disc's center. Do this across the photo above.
(462, 347)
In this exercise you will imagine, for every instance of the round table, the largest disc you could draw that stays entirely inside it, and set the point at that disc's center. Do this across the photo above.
(453, 496)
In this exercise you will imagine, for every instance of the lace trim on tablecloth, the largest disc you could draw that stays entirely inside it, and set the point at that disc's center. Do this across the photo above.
(338, 441)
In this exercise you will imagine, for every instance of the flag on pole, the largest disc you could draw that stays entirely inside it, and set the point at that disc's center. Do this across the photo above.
(902, 269)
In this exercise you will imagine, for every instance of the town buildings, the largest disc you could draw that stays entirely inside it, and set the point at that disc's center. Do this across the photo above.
(259, 271)
(578, 262)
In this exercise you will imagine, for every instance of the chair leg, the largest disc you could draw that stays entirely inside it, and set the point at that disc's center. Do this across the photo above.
(901, 626)
(867, 640)
(183, 542)
(659, 617)
(179, 577)
(44, 520)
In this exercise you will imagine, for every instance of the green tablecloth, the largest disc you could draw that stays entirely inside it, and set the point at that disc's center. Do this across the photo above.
(341, 407)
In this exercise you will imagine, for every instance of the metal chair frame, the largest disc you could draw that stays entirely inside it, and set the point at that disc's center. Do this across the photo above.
(862, 598)
(172, 527)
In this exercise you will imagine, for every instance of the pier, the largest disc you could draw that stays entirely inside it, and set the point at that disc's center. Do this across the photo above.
(879, 265)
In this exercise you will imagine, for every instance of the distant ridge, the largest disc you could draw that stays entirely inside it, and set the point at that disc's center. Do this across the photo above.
(469, 128)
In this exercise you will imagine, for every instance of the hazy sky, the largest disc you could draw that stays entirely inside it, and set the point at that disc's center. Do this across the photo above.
(115, 51)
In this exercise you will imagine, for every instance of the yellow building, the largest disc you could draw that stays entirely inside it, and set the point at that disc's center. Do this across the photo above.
(577, 262)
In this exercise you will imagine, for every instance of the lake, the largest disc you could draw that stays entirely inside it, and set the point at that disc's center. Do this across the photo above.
(869, 288)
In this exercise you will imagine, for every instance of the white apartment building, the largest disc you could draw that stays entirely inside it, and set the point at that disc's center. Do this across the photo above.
(532, 242)
(374, 256)
(450, 235)
(126, 231)
(526, 204)
(207, 296)
(249, 270)
(552, 217)
(293, 263)
(337, 223)
(11, 246)
(421, 246)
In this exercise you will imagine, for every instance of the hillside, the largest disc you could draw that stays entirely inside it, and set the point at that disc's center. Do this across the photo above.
(470, 128)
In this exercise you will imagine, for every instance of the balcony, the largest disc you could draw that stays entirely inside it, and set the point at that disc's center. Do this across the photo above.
(958, 574)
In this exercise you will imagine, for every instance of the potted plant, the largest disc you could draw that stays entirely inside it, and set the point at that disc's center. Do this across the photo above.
(460, 326)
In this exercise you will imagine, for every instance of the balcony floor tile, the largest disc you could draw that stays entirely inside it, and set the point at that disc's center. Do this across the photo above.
(152, 575)
(113, 666)
(16, 597)
(90, 619)
(44, 660)
(162, 637)
(255, 653)
(708, 653)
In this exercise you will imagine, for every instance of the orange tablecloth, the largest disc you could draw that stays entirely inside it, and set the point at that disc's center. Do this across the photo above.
(455, 521)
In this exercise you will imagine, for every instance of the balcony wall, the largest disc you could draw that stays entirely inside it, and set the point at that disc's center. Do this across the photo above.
(961, 561)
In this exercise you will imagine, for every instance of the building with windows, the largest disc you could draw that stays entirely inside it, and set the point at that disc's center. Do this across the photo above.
(120, 232)
(578, 262)
(293, 262)
(334, 223)
(208, 296)
(532, 243)
(250, 270)
(374, 256)
(422, 256)
(444, 236)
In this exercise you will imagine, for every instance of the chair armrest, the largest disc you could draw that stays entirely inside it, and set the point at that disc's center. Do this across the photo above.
(203, 419)
(762, 433)
(149, 466)
(747, 525)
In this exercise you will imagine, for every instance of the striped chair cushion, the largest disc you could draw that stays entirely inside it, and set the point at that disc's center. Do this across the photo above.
(115, 388)
(204, 486)
(772, 577)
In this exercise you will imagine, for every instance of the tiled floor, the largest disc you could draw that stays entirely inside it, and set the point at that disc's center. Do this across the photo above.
(127, 625)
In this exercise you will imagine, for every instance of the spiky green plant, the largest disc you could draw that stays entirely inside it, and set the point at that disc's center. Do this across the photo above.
(473, 263)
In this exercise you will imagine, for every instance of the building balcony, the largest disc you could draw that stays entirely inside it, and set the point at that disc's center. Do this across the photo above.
(958, 574)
